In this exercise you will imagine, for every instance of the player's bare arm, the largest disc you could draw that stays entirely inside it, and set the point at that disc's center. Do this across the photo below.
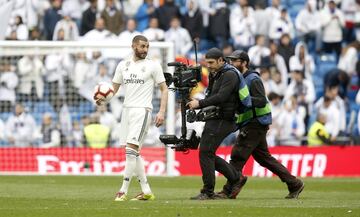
(160, 116)
(116, 87)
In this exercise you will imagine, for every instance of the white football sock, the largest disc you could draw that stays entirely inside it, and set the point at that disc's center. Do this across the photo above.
(140, 172)
(130, 166)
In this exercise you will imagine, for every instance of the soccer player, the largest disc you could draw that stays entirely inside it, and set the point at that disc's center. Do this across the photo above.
(138, 75)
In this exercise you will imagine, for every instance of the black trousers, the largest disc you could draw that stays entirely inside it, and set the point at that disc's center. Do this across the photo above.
(330, 47)
(252, 141)
(214, 133)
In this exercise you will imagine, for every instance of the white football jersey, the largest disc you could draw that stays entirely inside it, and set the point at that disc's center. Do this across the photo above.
(138, 79)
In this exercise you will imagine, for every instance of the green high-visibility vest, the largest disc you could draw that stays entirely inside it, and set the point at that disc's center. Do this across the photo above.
(97, 135)
(263, 115)
(313, 138)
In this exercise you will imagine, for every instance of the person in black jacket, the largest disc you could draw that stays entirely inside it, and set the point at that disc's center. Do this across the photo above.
(165, 12)
(253, 124)
(193, 20)
(225, 83)
(88, 18)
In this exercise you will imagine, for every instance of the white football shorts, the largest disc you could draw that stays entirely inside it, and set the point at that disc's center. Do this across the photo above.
(134, 125)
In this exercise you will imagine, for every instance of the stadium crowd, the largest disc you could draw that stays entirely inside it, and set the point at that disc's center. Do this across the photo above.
(307, 53)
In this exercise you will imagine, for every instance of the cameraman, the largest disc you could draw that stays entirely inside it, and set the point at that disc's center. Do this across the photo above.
(227, 90)
(254, 124)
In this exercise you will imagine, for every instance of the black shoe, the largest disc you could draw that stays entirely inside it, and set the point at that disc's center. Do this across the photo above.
(221, 195)
(295, 190)
(202, 196)
(236, 188)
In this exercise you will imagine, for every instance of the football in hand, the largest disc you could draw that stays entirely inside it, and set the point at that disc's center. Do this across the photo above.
(104, 92)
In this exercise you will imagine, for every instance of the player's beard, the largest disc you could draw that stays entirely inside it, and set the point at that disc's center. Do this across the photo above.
(140, 55)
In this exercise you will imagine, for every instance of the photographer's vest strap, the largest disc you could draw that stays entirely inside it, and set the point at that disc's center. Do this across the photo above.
(263, 115)
(243, 92)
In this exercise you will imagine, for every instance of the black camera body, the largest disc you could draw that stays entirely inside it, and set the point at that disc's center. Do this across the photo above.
(184, 76)
(184, 79)
(205, 114)
(190, 141)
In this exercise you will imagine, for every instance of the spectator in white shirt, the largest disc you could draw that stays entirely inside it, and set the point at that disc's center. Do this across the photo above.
(269, 84)
(237, 14)
(74, 9)
(303, 90)
(280, 85)
(357, 20)
(259, 51)
(179, 36)
(261, 19)
(129, 33)
(308, 25)
(126, 36)
(281, 25)
(51, 136)
(154, 33)
(276, 110)
(237, 11)
(99, 33)
(349, 57)
(278, 63)
(8, 82)
(22, 31)
(302, 60)
(101, 75)
(71, 31)
(58, 67)
(81, 71)
(291, 123)
(300, 87)
(332, 22)
(272, 13)
(333, 94)
(31, 70)
(349, 8)
(325, 105)
(243, 32)
(20, 128)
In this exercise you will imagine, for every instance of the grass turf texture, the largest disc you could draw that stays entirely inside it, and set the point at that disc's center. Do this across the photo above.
(37, 196)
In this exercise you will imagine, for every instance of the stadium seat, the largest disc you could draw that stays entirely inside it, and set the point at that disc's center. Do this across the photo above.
(318, 80)
(352, 95)
(319, 92)
(86, 107)
(42, 107)
(324, 64)
(294, 10)
(297, 2)
(329, 57)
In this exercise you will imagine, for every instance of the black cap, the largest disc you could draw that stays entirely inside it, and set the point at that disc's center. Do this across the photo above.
(239, 54)
(214, 53)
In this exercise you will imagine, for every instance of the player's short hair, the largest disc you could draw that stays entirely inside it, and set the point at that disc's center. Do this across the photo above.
(138, 38)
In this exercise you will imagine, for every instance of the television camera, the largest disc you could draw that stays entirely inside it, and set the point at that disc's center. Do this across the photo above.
(184, 79)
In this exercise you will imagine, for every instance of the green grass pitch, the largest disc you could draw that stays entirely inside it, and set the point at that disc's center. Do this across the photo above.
(90, 196)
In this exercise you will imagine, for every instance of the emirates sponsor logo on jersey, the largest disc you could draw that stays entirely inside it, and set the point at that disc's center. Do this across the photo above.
(133, 80)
